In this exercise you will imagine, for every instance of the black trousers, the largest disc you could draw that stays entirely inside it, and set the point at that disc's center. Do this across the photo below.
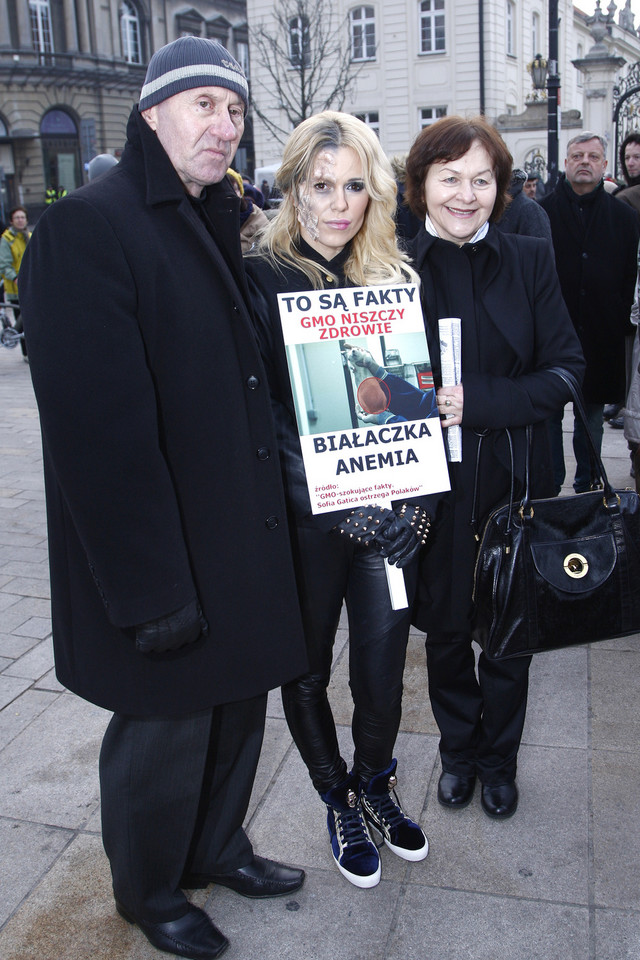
(175, 792)
(480, 718)
(330, 569)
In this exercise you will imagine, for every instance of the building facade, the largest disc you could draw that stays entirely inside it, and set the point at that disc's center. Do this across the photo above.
(418, 60)
(70, 71)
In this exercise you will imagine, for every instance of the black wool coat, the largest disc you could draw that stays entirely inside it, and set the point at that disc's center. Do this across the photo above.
(597, 268)
(162, 475)
(514, 326)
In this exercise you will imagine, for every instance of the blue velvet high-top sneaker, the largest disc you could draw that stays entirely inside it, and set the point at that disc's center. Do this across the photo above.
(354, 852)
(382, 810)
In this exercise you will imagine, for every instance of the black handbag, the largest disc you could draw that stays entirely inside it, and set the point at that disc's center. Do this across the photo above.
(558, 572)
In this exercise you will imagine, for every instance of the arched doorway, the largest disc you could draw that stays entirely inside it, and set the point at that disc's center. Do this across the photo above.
(60, 150)
(626, 110)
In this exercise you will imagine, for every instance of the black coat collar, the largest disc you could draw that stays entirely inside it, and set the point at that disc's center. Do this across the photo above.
(144, 151)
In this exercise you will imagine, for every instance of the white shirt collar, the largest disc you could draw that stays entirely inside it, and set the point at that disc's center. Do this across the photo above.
(479, 235)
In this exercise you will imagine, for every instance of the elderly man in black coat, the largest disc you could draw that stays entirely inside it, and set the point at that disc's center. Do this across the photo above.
(596, 242)
(173, 591)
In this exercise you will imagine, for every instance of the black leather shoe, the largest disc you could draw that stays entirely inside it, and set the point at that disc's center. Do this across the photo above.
(193, 935)
(260, 878)
(499, 802)
(455, 791)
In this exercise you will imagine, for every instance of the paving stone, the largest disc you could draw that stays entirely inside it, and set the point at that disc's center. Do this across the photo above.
(328, 919)
(71, 915)
(615, 692)
(37, 627)
(13, 645)
(276, 743)
(10, 688)
(21, 712)
(617, 935)
(446, 924)
(557, 710)
(28, 850)
(616, 829)
(49, 682)
(540, 853)
(13, 502)
(21, 610)
(50, 770)
(38, 570)
(37, 552)
(34, 664)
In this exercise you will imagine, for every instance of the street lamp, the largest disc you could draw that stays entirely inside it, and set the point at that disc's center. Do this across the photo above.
(539, 68)
(553, 96)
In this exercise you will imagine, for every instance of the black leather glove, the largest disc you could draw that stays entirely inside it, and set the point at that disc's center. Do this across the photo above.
(176, 630)
(396, 534)
(403, 533)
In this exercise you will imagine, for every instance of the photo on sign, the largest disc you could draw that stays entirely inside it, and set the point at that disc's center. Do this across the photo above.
(368, 380)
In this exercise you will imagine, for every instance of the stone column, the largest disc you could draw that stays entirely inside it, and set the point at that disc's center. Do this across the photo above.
(599, 71)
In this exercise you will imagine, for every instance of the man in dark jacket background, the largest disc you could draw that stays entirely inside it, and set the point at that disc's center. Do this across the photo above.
(524, 215)
(595, 239)
(173, 591)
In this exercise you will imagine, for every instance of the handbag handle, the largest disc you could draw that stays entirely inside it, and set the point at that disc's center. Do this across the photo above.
(578, 406)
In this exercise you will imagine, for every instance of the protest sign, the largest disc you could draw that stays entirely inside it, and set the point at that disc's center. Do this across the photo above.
(365, 404)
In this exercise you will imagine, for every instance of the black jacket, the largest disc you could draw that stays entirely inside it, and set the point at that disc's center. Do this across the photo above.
(162, 477)
(597, 267)
(515, 325)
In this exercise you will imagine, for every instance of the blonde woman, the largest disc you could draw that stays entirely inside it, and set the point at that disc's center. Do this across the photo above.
(335, 228)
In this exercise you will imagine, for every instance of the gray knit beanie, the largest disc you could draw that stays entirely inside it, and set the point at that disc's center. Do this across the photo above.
(190, 62)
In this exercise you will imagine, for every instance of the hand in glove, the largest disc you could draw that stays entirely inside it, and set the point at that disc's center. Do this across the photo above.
(396, 534)
(176, 630)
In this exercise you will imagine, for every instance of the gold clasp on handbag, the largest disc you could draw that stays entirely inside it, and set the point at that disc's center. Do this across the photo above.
(576, 566)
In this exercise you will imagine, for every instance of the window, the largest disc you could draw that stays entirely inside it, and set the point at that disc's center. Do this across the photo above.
(242, 56)
(432, 26)
(372, 119)
(511, 28)
(41, 37)
(130, 33)
(535, 34)
(189, 23)
(299, 42)
(60, 149)
(429, 115)
(363, 33)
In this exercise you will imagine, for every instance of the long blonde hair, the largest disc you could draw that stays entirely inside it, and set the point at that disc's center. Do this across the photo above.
(375, 256)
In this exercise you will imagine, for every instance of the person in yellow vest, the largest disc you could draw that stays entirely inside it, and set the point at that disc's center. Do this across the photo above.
(51, 195)
(12, 246)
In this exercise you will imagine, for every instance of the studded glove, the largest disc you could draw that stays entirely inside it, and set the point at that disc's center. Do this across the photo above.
(396, 534)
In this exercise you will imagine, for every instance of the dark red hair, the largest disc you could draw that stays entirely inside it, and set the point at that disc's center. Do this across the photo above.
(449, 139)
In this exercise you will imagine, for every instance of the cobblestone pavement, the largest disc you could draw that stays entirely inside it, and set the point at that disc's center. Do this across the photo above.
(560, 881)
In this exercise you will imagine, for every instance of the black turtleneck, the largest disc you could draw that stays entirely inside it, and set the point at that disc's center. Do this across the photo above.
(334, 266)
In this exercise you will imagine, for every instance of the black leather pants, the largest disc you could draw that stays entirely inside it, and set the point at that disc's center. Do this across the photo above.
(480, 717)
(331, 570)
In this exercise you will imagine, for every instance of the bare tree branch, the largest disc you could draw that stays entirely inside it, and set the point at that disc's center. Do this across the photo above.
(315, 74)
